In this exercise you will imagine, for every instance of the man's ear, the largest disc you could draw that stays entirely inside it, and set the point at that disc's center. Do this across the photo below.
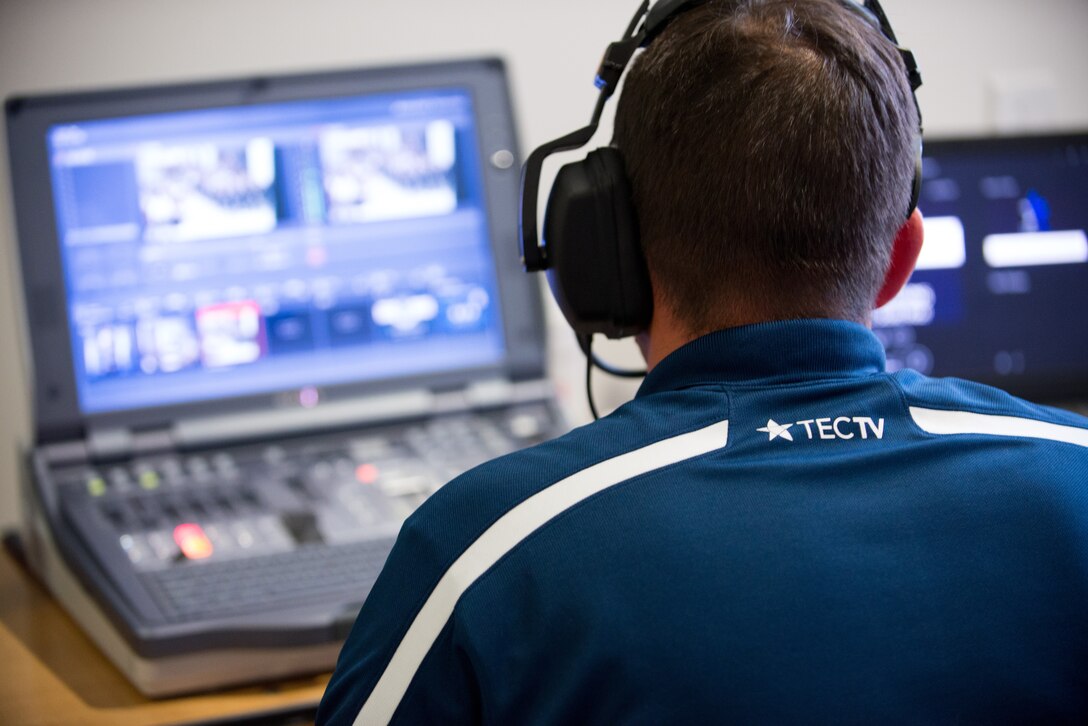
(905, 251)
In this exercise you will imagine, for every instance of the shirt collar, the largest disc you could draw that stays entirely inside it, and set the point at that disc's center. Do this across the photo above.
(770, 353)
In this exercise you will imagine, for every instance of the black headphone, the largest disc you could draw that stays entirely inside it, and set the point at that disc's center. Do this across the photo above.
(591, 247)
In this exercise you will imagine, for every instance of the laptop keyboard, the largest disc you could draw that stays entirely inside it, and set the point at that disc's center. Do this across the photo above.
(258, 583)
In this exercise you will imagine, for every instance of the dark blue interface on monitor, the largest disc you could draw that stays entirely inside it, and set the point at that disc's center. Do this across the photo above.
(247, 249)
(1001, 288)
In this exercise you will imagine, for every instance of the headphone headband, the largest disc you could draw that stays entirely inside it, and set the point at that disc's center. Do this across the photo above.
(661, 13)
(617, 56)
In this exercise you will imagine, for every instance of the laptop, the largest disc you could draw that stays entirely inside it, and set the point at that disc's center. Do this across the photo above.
(1000, 289)
(268, 317)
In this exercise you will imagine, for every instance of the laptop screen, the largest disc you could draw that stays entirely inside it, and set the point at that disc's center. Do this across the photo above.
(188, 249)
(1002, 283)
(225, 251)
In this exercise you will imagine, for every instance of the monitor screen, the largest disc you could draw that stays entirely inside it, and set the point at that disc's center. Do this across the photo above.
(230, 250)
(1000, 290)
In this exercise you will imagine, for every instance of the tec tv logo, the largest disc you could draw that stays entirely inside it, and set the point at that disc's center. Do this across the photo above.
(828, 428)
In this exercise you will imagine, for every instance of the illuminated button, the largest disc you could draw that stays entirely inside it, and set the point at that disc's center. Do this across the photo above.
(162, 545)
(149, 480)
(136, 549)
(274, 455)
(406, 484)
(192, 541)
(96, 486)
(524, 426)
(366, 473)
(243, 534)
(225, 465)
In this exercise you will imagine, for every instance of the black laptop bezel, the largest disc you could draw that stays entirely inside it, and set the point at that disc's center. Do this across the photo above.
(56, 402)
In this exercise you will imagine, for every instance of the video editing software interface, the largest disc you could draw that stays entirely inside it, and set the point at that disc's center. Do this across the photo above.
(1001, 289)
(247, 249)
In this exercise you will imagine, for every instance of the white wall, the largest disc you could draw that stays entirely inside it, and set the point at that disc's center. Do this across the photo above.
(552, 49)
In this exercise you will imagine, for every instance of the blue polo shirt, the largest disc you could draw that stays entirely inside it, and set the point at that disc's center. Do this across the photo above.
(775, 530)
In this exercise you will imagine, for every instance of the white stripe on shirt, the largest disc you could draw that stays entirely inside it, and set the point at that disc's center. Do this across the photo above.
(505, 534)
(934, 421)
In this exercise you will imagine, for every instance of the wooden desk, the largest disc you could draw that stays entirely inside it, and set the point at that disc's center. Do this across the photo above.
(51, 673)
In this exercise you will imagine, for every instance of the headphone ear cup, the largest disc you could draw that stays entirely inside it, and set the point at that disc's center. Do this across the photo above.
(598, 273)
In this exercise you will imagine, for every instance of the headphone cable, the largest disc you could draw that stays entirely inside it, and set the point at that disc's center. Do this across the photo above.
(589, 379)
(585, 342)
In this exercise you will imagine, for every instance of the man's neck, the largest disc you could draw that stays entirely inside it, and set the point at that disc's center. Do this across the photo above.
(662, 338)
(667, 333)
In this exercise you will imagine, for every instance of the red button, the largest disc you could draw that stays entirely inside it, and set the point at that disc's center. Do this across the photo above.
(366, 473)
(192, 541)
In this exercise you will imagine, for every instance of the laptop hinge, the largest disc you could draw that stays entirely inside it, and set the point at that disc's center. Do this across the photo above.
(120, 443)
(109, 443)
(492, 392)
(227, 428)
(117, 443)
(63, 453)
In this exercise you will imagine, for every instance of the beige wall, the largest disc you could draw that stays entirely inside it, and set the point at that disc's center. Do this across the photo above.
(1035, 49)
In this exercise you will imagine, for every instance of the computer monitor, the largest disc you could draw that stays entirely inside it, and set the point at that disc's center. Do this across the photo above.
(306, 234)
(1000, 292)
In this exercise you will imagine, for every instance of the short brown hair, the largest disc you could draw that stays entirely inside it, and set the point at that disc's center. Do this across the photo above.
(770, 146)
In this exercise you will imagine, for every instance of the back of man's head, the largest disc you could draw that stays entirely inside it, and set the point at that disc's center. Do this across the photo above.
(771, 147)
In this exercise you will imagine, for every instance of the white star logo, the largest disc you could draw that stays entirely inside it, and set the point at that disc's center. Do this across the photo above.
(774, 430)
